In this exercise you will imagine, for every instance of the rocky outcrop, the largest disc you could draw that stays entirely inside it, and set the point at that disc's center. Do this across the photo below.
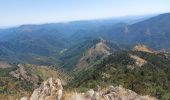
(142, 48)
(111, 93)
(139, 62)
(120, 93)
(48, 90)
(89, 95)
(53, 90)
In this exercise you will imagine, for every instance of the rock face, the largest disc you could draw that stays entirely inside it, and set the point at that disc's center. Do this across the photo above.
(49, 90)
(112, 93)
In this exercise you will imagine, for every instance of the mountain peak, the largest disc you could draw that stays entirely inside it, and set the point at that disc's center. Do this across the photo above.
(98, 50)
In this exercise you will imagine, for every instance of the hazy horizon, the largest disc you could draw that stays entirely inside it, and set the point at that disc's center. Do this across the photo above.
(95, 19)
(18, 12)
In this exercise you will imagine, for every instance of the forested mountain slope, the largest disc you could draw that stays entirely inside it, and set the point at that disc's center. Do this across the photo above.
(142, 72)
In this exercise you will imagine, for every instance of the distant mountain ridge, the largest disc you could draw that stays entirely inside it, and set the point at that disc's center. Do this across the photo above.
(153, 32)
(43, 44)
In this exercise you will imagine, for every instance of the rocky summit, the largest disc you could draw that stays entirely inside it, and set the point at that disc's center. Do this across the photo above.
(52, 89)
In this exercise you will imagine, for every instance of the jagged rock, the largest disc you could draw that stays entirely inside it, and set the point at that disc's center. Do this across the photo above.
(49, 90)
(89, 94)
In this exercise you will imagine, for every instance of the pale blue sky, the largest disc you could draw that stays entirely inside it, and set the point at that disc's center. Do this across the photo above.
(14, 12)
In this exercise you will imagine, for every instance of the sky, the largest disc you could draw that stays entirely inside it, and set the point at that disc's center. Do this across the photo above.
(17, 12)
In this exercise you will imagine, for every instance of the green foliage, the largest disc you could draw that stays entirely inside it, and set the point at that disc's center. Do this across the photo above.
(150, 79)
(12, 88)
(70, 58)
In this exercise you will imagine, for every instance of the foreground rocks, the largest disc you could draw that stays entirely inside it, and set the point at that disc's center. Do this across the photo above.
(49, 90)
(120, 93)
(53, 90)
(112, 93)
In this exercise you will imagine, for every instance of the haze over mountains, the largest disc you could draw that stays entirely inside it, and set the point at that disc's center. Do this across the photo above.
(132, 52)
(47, 41)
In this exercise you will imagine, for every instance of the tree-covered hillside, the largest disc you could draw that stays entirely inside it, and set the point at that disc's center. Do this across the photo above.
(151, 77)
(86, 53)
